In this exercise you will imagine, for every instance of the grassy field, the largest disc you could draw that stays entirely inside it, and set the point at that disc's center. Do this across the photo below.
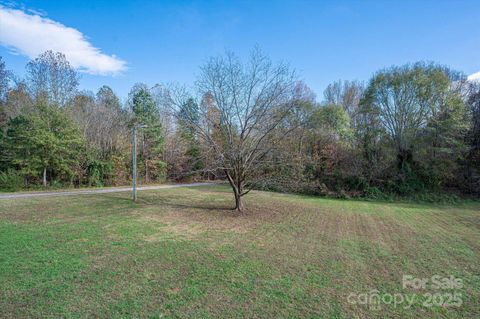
(181, 253)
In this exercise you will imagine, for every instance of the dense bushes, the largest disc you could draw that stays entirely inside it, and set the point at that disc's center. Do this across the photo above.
(11, 180)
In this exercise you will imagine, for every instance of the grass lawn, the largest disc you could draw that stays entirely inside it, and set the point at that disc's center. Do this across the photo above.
(181, 253)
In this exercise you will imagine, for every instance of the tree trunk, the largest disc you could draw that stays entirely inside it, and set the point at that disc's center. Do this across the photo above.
(237, 192)
(147, 173)
(44, 177)
(238, 201)
(404, 157)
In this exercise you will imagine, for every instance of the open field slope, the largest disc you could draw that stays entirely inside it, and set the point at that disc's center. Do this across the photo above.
(183, 253)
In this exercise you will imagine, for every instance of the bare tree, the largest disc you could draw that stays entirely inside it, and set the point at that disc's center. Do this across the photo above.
(51, 77)
(242, 108)
(346, 94)
(100, 119)
(5, 77)
(18, 101)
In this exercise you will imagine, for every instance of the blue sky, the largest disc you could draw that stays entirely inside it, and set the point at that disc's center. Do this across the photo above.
(125, 42)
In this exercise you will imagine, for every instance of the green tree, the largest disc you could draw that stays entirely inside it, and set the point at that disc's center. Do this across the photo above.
(151, 140)
(445, 145)
(106, 97)
(472, 167)
(188, 119)
(405, 98)
(43, 143)
(334, 120)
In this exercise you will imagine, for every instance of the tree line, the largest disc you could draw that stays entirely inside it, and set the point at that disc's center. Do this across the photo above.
(409, 129)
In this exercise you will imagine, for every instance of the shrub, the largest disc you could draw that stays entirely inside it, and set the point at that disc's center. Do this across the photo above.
(11, 180)
(433, 197)
(98, 172)
(374, 192)
(56, 183)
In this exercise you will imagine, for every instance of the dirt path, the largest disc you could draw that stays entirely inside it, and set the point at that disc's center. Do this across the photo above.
(97, 191)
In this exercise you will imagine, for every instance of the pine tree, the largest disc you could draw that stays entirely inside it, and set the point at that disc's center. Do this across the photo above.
(188, 117)
(151, 138)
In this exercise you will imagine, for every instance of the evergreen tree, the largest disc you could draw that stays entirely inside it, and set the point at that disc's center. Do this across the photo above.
(151, 138)
(106, 97)
(43, 143)
(188, 118)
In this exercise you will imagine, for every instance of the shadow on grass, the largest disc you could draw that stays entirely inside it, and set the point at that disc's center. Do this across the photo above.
(124, 201)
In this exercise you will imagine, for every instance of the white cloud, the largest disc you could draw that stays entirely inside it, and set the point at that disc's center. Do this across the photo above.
(474, 77)
(32, 34)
